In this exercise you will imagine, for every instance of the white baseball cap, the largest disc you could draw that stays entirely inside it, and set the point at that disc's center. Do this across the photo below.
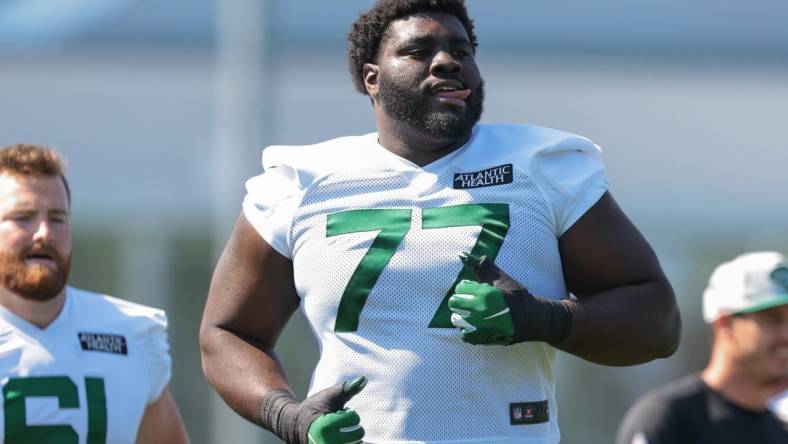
(750, 282)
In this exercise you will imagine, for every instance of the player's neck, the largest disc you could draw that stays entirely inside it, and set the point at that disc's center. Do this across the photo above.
(38, 313)
(414, 145)
(735, 385)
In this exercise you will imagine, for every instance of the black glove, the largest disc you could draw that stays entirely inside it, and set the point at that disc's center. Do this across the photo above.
(292, 421)
(534, 318)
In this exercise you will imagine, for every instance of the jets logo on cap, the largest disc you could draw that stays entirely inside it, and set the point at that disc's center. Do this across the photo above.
(780, 276)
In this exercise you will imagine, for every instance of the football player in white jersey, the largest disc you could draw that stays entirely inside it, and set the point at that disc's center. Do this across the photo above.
(75, 367)
(434, 260)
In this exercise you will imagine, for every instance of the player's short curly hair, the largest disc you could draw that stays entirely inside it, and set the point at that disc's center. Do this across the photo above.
(368, 30)
(25, 159)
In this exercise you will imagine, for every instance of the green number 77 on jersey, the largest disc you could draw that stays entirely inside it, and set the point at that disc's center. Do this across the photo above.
(392, 226)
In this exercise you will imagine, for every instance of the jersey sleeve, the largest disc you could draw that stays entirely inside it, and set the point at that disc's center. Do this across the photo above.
(571, 174)
(273, 198)
(156, 352)
(270, 204)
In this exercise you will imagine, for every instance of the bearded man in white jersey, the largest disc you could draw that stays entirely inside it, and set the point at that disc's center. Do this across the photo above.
(75, 367)
(433, 259)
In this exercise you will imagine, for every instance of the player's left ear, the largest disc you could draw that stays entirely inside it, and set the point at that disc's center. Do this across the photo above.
(370, 74)
(724, 324)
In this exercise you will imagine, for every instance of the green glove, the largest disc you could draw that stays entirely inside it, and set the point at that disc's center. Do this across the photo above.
(496, 309)
(320, 419)
(342, 427)
(481, 313)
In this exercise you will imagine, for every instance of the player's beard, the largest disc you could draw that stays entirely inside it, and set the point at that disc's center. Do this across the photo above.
(35, 282)
(414, 109)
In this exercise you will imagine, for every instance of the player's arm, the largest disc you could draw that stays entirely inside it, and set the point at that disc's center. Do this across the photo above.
(161, 423)
(625, 312)
(251, 298)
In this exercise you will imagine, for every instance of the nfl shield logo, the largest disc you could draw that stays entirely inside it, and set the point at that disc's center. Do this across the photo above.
(517, 413)
(528, 412)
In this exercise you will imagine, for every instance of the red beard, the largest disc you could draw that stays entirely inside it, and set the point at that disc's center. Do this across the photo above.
(34, 282)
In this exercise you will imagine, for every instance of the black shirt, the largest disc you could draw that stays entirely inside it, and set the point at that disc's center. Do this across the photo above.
(689, 411)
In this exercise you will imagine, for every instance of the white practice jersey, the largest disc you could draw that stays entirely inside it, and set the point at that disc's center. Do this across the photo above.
(374, 241)
(87, 377)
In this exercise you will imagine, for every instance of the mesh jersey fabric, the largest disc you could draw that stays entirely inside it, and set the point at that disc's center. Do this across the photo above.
(337, 207)
(55, 358)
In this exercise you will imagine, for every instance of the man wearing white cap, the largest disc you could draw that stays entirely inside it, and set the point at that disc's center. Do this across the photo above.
(746, 304)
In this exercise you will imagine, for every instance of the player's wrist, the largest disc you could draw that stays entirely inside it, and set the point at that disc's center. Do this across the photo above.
(282, 415)
(292, 421)
(538, 319)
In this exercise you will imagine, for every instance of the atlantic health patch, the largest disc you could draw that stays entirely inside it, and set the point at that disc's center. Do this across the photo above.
(101, 342)
(499, 175)
(528, 412)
